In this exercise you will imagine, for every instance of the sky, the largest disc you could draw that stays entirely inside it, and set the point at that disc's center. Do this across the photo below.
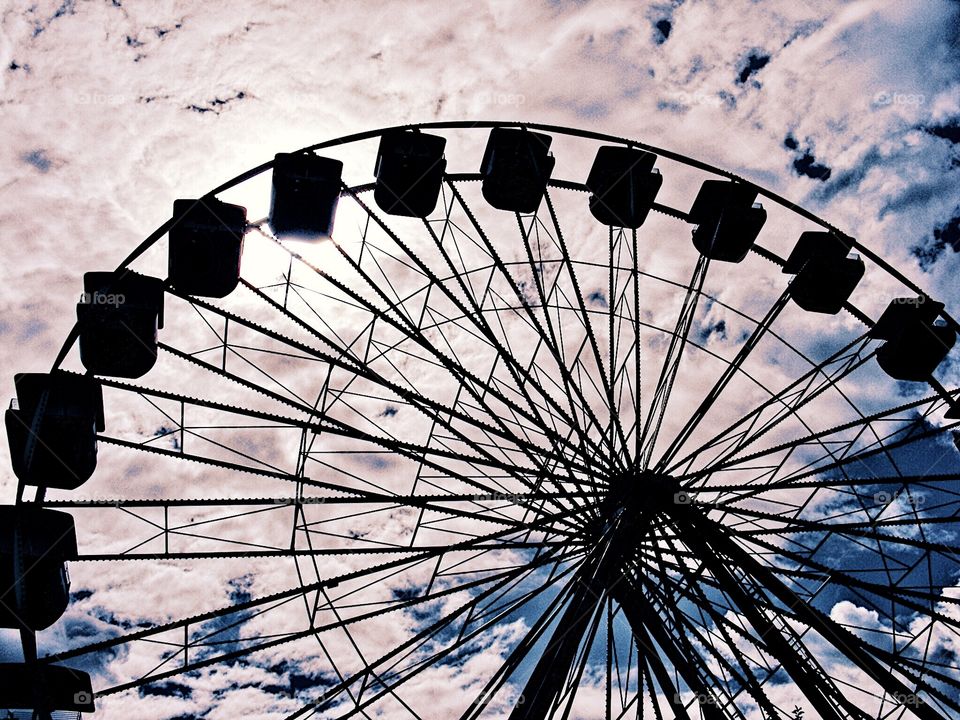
(112, 109)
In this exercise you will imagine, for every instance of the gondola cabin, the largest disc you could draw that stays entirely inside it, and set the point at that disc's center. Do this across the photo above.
(206, 244)
(409, 171)
(118, 318)
(35, 544)
(52, 691)
(52, 428)
(623, 185)
(915, 344)
(727, 219)
(825, 277)
(516, 168)
(306, 190)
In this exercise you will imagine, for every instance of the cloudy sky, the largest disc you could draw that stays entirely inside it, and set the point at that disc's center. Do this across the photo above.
(111, 109)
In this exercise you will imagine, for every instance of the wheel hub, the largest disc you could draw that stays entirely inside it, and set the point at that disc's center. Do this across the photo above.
(634, 502)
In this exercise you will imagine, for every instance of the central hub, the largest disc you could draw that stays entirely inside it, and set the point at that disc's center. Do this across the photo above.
(633, 503)
(644, 493)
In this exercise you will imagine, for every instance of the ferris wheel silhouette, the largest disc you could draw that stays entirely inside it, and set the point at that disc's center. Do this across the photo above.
(598, 441)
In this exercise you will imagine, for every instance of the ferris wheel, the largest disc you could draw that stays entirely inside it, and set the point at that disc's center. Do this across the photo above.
(587, 433)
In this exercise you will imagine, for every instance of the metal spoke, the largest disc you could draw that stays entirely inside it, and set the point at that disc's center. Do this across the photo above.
(671, 363)
(748, 345)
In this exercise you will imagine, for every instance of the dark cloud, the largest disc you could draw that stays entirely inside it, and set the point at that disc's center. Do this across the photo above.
(597, 297)
(82, 625)
(225, 631)
(948, 131)
(591, 110)
(671, 106)
(753, 64)
(404, 593)
(31, 329)
(946, 236)
(805, 163)
(586, 109)
(564, 5)
(39, 159)
(167, 689)
(240, 589)
(717, 330)
(918, 194)
(374, 461)
(808, 166)
(162, 32)
(66, 7)
(292, 680)
(217, 104)
(850, 178)
(663, 28)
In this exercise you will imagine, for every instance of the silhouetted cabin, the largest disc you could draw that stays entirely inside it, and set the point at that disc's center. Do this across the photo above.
(409, 170)
(727, 220)
(45, 689)
(825, 276)
(915, 345)
(52, 431)
(624, 185)
(34, 588)
(516, 168)
(306, 190)
(118, 317)
(206, 242)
